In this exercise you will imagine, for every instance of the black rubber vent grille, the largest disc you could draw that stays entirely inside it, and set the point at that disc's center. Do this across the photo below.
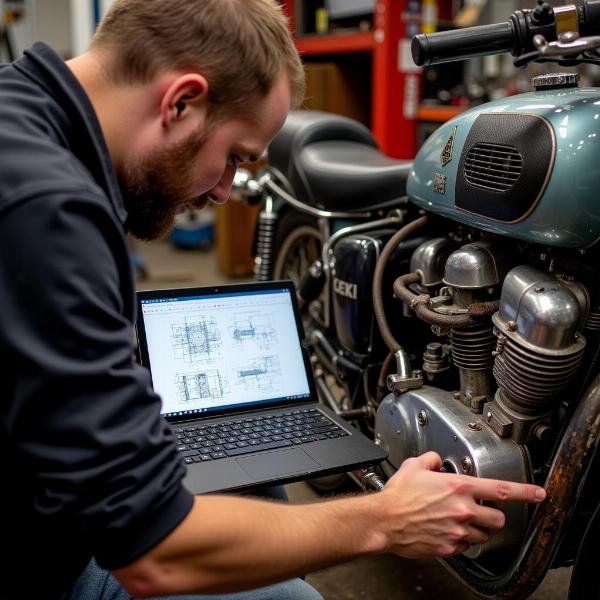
(493, 166)
(504, 166)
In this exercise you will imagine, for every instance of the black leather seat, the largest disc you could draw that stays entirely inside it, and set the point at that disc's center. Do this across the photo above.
(333, 163)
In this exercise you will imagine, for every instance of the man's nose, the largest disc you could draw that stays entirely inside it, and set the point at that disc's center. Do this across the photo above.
(221, 192)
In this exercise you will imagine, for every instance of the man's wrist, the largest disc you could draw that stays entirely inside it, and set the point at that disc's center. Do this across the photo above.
(367, 513)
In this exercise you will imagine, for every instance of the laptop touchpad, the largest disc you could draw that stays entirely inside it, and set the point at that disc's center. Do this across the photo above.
(275, 464)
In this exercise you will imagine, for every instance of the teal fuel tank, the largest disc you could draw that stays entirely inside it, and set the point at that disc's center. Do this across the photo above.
(526, 166)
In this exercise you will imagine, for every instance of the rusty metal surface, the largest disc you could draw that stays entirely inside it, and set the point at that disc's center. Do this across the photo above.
(419, 305)
(550, 520)
(483, 309)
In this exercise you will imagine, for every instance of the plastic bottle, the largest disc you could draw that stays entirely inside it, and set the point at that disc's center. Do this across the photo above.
(429, 15)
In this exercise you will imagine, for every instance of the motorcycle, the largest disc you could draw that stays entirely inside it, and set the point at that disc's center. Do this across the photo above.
(455, 300)
(330, 200)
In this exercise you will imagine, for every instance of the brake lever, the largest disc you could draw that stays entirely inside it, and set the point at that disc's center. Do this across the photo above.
(568, 44)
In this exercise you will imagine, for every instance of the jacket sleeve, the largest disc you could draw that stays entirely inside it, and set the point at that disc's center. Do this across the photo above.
(80, 415)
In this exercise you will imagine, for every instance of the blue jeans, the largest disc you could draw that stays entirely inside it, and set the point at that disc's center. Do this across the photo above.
(97, 584)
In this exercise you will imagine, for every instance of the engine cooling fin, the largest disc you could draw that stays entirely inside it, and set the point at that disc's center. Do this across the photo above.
(532, 380)
(472, 348)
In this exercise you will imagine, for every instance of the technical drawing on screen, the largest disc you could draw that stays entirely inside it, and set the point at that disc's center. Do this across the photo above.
(211, 352)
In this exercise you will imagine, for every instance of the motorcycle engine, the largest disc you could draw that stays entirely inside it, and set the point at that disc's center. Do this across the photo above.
(514, 367)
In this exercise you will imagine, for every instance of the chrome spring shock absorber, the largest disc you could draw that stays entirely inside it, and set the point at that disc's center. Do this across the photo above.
(266, 227)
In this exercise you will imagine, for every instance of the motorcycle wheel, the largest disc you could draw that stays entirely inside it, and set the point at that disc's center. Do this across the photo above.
(585, 584)
(298, 244)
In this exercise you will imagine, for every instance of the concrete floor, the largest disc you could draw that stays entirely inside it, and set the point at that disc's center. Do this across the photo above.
(373, 578)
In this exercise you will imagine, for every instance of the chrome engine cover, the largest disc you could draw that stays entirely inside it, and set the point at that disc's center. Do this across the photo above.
(431, 419)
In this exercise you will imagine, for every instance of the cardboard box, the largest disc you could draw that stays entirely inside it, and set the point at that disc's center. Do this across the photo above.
(339, 88)
(235, 233)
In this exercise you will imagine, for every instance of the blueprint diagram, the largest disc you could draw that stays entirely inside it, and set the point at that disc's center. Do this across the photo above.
(253, 330)
(261, 373)
(197, 339)
(204, 385)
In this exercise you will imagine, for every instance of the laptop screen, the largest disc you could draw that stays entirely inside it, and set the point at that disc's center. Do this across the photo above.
(221, 348)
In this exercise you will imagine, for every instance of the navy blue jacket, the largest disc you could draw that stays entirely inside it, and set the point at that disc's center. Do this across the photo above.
(88, 466)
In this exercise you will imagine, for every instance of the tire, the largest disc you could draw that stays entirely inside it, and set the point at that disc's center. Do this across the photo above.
(298, 244)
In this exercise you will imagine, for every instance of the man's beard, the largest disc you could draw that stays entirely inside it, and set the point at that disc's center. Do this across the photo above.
(156, 186)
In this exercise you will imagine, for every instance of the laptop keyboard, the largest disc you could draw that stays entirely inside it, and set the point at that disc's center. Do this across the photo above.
(205, 442)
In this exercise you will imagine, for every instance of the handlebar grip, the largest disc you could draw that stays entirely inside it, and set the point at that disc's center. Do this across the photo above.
(459, 44)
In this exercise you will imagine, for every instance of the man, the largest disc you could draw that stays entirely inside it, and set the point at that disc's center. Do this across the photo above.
(170, 97)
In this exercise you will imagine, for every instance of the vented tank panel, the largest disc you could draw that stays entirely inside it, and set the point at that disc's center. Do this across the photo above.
(493, 167)
(506, 161)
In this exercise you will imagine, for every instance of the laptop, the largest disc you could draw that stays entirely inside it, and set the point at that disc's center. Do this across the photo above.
(232, 366)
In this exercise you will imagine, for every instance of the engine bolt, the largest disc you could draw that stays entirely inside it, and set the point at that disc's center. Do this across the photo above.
(512, 326)
(472, 426)
(422, 418)
(466, 464)
(456, 395)
(434, 349)
(543, 432)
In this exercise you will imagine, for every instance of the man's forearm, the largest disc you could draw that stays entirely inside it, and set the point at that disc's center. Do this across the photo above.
(228, 544)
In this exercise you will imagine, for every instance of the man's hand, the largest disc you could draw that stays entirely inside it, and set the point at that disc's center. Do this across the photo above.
(433, 514)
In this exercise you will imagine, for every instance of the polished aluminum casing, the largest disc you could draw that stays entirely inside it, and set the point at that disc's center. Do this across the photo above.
(429, 260)
(430, 419)
(542, 311)
(478, 265)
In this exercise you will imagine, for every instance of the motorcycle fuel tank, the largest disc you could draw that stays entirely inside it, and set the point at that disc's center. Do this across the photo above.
(524, 166)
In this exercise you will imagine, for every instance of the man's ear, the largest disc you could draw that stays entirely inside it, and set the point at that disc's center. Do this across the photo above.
(185, 98)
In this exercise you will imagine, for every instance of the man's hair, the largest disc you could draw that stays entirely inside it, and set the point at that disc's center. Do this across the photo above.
(242, 47)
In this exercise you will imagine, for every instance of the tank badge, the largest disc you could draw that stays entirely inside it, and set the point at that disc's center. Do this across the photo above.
(345, 288)
(439, 183)
(448, 150)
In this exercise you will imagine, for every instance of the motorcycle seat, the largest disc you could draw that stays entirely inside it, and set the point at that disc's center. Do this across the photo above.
(333, 163)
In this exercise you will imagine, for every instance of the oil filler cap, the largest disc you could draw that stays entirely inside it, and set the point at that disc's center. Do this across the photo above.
(552, 81)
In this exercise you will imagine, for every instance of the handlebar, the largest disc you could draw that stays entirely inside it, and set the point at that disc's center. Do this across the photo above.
(514, 36)
(459, 44)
